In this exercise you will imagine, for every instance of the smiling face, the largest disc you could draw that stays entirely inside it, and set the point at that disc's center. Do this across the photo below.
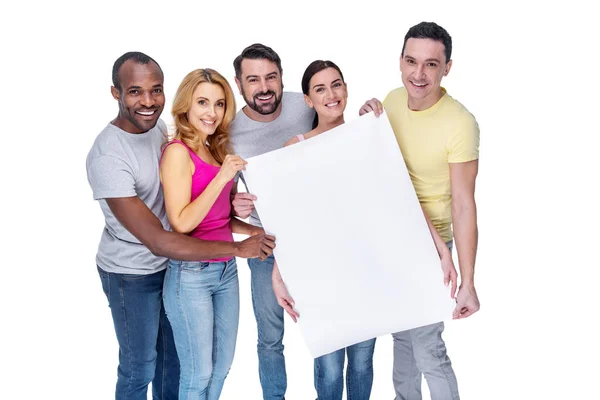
(140, 96)
(327, 94)
(260, 84)
(423, 65)
(207, 109)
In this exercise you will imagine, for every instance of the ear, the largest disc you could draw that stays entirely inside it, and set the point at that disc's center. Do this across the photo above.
(115, 93)
(238, 83)
(308, 101)
(448, 66)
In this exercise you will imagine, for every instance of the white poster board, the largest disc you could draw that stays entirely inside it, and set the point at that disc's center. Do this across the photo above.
(353, 245)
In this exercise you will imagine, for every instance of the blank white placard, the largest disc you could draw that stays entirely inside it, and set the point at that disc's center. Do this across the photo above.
(353, 245)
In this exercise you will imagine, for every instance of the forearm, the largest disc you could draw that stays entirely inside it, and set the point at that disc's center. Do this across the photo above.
(137, 218)
(182, 247)
(440, 245)
(464, 221)
(276, 276)
(242, 227)
(194, 213)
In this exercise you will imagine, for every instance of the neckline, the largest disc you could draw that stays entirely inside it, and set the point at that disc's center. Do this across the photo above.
(194, 153)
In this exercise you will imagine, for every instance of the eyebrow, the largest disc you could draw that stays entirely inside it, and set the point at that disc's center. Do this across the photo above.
(256, 76)
(322, 84)
(204, 98)
(139, 87)
(427, 60)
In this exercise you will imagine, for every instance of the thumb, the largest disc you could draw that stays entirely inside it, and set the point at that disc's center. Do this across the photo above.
(456, 312)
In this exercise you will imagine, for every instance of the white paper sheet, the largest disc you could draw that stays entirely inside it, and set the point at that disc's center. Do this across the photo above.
(353, 245)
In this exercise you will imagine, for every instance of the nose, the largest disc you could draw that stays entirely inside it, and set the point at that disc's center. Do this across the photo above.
(420, 71)
(211, 111)
(328, 93)
(263, 86)
(147, 100)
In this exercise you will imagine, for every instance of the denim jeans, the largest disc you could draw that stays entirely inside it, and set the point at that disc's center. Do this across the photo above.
(423, 351)
(202, 301)
(146, 348)
(269, 322)
(329, 372)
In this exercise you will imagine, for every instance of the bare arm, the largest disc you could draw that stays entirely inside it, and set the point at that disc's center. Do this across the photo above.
(448, 268)
(244, 228)
(281, 293)
(176, 170)
(137, 218)
(464, 221)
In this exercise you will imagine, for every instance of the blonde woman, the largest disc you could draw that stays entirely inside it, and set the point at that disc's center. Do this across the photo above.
(202, 297)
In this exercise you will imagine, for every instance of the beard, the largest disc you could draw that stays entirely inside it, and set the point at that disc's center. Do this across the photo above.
(264, 109)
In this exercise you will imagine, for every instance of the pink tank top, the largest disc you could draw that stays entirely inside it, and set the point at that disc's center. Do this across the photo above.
(215, 226)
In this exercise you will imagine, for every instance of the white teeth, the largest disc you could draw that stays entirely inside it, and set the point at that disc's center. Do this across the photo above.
(208, 122)
(419, 84)
(146, 113)
(264, 98)
(332, 104)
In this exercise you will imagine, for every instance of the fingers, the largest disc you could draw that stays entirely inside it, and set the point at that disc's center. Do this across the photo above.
(269, 240)
(244, 198)
(265, 251)
(364, 110)
(243, 212)
(234, 163)
(287, 304)
(466, 313)
(237, 163)
(243, 204)
(372, 105)
(457, 311)
(463, 311)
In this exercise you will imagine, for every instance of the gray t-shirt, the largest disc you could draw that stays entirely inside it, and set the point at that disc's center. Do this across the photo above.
(122, 164)
(251, 138)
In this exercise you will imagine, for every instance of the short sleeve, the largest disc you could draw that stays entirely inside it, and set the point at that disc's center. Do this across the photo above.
(110, 177)
(463, 143)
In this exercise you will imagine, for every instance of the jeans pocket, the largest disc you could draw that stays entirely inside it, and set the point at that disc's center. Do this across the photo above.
(105, 279)
(194, 266)
(133, 277)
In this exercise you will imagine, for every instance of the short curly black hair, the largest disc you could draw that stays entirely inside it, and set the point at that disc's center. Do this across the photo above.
(138, 57)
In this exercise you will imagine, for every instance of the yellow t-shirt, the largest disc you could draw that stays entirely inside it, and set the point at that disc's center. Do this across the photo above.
(430, 139)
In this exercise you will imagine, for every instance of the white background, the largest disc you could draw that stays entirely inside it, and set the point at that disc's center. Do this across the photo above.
(527, 71)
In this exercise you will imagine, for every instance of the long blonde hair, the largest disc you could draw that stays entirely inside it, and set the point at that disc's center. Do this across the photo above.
(218, 142)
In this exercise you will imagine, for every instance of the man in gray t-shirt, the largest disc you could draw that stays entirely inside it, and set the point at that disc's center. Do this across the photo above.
(269, 119)
(122, 168)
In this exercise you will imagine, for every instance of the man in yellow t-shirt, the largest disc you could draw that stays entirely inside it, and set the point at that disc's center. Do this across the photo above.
(439, 140)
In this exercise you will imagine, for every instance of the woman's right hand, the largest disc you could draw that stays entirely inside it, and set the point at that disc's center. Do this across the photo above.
(231, 166)
(282, 295)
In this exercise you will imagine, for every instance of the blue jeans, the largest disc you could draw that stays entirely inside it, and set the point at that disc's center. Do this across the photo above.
(423, 351)
(269, 322)
(329, 372)
(202, 301)
(146, 348)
